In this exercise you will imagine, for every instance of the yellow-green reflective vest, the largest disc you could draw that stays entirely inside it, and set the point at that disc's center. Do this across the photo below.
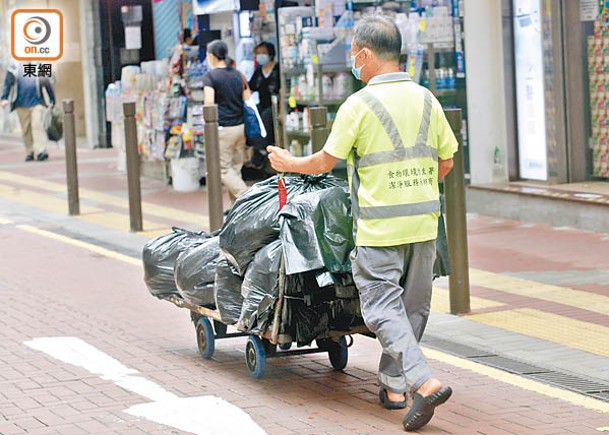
(395, 195)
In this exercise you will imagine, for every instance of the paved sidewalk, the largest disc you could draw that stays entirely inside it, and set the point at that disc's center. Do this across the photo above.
(540, 296)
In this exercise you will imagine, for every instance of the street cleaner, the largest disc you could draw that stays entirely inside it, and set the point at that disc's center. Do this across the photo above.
(398, 144)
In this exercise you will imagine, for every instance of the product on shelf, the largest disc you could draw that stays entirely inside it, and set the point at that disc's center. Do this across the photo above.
(598, 70)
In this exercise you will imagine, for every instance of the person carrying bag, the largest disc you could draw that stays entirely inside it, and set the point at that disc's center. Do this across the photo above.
(255, 132)
(223, 85)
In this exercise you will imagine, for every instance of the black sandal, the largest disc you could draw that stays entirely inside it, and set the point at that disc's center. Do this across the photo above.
(390, 404)
(422, 409)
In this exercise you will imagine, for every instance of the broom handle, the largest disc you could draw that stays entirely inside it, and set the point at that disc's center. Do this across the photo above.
(279, 305)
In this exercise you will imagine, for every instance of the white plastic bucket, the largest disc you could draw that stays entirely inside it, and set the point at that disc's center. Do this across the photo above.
(121, 162)
(185, 174)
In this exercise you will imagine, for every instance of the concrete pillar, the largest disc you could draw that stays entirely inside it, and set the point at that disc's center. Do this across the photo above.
(91, 69)
(485, 88)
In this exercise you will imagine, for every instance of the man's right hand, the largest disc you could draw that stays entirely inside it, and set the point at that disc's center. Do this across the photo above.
(3, 103)
(281, 160)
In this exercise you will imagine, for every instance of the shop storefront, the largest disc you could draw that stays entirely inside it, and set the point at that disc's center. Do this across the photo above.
(556, 89)
(538, 110)
(73, 76)
(315, 46)
(312, 41)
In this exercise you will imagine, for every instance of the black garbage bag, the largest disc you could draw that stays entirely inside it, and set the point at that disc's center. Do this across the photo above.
(227, 291)
(442, 265)
(306, 323)
(195, 273)
(159, 257)
(259, 289)
(306, 314)
(253, 221)
(317, 231)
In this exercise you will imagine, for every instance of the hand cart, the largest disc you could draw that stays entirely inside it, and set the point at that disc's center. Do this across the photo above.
(270, 344)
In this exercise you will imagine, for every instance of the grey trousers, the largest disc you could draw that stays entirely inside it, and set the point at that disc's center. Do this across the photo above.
(395, 286)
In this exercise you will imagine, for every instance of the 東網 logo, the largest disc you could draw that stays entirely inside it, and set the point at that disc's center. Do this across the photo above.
(37, 30)
(37, 34)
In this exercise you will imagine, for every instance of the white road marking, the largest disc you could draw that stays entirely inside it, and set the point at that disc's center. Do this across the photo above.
(200, 415)
(205, 415)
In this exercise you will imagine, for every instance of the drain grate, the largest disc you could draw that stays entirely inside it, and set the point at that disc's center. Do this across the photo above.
(571, 382)
(589, 387)
(510, 365)
(602, 396)
(455, 348)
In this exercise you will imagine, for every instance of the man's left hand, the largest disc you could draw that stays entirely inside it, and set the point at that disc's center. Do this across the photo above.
(444, 167)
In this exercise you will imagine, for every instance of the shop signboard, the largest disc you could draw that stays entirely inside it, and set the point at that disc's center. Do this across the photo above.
(588, 10)
(532, 146)
(205, 7)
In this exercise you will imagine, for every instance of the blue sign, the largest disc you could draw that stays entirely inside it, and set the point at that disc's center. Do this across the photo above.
(204, 7)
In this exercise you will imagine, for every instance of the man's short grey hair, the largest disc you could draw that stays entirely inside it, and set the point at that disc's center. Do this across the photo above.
(381, 35)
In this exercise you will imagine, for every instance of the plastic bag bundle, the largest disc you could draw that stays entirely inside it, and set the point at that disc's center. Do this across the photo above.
(53, 123)
(259, 289)
(195, 273)
(227, 292)
(159, 257)
(317, 231)
(305, 316)
(253, 221)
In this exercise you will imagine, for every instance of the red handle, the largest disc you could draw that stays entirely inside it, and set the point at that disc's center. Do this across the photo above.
(283, 193)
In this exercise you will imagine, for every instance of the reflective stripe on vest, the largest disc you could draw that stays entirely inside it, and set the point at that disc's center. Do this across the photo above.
(389, 211)
(399, 153)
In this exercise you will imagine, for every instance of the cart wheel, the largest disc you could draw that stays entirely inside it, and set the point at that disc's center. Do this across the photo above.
(220, 328)
(285, 346)
(339, 354)
(205, 338)
(255, 357)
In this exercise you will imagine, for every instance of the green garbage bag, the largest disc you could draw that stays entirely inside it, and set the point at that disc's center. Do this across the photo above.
(317, 231)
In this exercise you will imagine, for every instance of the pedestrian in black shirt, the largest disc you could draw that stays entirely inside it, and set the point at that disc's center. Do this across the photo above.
(224, 86)
(265, 81)
(266, 76)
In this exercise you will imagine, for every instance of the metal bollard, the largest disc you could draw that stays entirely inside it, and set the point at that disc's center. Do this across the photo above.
(133, 168)
(71, 166)
(212, 163)
(456, 224)
(319, 127)
(276, 129)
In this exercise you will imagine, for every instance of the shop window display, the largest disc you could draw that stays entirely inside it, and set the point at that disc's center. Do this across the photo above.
(598, 76)
(169, 110)
(315, 46)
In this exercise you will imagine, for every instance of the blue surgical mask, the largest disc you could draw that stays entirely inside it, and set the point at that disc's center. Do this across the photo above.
(263, 59)
(357, 72)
